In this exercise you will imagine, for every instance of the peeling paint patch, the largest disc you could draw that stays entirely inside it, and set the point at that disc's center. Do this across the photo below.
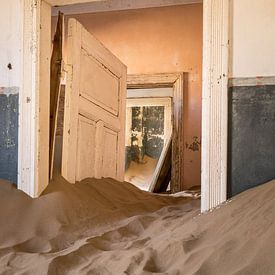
(9, 66)
(195, 145)
(9, 90)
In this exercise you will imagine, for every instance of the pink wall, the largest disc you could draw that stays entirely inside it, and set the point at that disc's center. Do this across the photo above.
(160, 40)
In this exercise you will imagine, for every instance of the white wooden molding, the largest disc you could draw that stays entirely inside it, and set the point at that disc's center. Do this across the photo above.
(214, 102)
(33, 138)
(28, 99)
(88, 6)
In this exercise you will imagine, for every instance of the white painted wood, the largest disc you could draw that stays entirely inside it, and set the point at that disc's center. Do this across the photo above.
(159, 92)
(33, 101)
(87, 131)
(214, 103)
(94, 119)
(87, 6)
(160, 163)
(44, 98)
(178, 82)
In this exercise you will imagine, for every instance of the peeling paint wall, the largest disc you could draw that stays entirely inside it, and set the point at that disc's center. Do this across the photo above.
(9, 134)
(10, 78)
(251, 136)
(251, 95)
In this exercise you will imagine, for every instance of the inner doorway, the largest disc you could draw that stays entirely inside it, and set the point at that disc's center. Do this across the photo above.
(148, 131)
(166, 91)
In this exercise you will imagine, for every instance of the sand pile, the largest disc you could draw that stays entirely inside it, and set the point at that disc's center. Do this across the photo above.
(105, 227)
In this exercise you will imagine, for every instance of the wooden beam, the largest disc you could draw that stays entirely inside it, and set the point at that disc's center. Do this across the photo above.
(110, 5)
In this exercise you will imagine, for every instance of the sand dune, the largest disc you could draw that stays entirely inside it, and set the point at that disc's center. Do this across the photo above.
(105, 227)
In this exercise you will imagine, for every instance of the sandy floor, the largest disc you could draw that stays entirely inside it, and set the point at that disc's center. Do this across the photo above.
(105, 227)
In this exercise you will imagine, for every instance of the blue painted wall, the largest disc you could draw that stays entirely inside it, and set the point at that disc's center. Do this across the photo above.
(9, 136)
(251, 137)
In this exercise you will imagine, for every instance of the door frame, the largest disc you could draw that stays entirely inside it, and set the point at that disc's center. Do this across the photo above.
(215, 102)
(32, 146)
(177, 81)
(34, 99)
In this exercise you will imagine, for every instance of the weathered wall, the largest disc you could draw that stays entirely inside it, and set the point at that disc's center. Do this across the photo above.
(252, 95)
(10, 76)
(253, 41)
(160, 40)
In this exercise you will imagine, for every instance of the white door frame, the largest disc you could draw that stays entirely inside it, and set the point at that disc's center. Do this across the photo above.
(32, 179)
(214, 103)
(33, 132)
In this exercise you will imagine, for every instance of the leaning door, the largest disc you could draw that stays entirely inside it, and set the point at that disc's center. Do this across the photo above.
(94, 115)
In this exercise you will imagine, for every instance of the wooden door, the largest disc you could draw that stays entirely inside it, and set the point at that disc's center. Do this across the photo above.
(94, 118)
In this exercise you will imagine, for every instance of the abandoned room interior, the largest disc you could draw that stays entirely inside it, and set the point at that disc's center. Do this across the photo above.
(137, 137)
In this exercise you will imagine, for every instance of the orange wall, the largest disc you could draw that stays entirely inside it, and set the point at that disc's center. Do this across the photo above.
(160, 40)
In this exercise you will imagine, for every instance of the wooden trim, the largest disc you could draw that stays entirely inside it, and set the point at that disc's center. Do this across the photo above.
(33, 138)
(214, 102)
(164, 157)
(251, 81)
(138, 81)
(27, 139)
(177, 81)
(71, 102)
(150, 93)
(44, 97)
(80, 7)
(148, 101)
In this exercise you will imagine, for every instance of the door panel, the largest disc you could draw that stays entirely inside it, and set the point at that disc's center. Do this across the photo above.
(96, 83)
(85, 150)
(109, 160)
(94, 116)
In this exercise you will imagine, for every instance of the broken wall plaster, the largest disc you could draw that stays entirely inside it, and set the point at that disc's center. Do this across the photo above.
(194, 145)
(9, 90)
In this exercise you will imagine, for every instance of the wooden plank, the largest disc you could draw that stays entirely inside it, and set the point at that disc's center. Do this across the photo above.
(177, 181)
(162, 174)
(56, 74)
(69, 150)
(44, 97)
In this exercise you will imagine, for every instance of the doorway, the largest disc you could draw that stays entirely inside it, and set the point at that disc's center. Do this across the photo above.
(36, 52)
(148, 130)
(166, 85)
